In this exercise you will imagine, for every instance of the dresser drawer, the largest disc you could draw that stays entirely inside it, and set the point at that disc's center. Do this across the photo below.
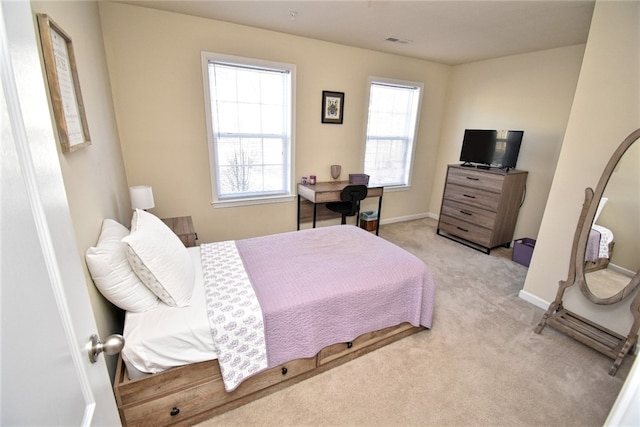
(483, 180)
(472, 196)
(466, 230)
(468, 213)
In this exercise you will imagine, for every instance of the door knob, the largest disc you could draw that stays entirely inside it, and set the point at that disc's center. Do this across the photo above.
(112, 345)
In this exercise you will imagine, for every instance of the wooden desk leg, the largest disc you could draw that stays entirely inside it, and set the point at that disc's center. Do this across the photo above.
(298, 212)
(379, 215)
(315, 213)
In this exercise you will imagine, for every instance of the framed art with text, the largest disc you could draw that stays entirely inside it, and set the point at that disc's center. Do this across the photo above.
(64, 86)
(332, 107)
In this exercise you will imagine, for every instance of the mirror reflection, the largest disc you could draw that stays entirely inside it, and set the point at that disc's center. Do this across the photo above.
(613, 248)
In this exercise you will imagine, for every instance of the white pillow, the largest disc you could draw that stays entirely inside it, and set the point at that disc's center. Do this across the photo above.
(160, 259)
(112, 273)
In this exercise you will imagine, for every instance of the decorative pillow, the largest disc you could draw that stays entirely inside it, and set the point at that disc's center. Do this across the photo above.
(160, 259)
(112, 273)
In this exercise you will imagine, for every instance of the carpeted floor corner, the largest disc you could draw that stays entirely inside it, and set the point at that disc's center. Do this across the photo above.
(480, 365)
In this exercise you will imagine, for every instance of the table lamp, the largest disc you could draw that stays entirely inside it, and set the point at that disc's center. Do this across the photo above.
(141, 197)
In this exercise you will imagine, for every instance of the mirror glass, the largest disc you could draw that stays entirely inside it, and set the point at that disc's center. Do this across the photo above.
(613, 248)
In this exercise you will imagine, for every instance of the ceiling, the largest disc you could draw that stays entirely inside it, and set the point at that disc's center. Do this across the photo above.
(446, 31)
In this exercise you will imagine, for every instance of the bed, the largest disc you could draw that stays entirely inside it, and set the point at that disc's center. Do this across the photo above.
(599, 244)
(248, 317)
(599, 248)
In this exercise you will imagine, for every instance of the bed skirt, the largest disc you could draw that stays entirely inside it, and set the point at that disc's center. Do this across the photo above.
(189, 394)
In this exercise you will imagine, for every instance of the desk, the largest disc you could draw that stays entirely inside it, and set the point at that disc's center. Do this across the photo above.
(323, 192)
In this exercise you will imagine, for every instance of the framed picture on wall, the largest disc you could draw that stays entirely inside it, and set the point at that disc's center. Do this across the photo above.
(64, 86)
(332, 107)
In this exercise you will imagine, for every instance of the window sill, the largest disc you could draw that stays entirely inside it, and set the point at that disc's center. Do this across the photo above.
(394, 188)
(252, 201)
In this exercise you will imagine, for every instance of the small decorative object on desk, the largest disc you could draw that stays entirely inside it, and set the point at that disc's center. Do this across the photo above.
(304, 180)
(359, 178)
(335, 171)
(312, 179)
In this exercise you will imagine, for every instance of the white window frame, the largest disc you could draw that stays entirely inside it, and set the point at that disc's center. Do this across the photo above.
(412, 143)
(289, 195)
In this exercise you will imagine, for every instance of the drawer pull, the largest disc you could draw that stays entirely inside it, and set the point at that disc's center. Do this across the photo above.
(469, 196)
(462, 229)
(473, 179)
(175, 411)
(466, 213)
(284, 370)
(349, 344)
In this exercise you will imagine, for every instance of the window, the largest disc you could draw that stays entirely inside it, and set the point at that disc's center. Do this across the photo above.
(391, 131)
(249, 107)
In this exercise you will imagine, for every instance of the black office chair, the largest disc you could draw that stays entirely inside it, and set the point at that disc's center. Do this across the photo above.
(350, 204)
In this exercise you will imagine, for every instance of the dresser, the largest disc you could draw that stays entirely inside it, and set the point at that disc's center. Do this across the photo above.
(480, 207)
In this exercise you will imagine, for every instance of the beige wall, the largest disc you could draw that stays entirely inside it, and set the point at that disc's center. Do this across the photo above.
(94, 176)
(155, 69)
(605, 110)
(531, 92)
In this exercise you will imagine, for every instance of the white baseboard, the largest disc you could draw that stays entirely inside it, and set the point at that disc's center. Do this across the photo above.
(621, 270)
(334, 221)
(408, 218)
(537, 301)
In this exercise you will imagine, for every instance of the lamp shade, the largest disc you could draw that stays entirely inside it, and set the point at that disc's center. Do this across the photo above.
(141, 197)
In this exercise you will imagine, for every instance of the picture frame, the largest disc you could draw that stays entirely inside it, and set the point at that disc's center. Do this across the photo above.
(332, 107)
(64, 85)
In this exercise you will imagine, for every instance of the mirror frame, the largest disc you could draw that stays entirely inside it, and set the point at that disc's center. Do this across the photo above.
(591, 201)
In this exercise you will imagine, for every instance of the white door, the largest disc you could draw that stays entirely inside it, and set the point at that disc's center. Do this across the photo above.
(46, 318)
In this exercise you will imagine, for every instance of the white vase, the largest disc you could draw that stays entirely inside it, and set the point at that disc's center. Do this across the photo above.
(335, 171)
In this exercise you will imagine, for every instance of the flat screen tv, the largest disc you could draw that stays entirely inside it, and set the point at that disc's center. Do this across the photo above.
(486, 148)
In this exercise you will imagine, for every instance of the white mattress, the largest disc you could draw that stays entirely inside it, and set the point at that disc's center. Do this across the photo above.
(165, 337)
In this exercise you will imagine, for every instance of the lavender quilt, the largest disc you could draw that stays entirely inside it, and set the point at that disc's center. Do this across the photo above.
(319, 287)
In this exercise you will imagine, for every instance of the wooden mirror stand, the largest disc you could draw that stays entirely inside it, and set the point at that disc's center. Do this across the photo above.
(581, 329)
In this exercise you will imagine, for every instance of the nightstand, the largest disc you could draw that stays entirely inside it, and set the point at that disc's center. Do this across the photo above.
(183, 227)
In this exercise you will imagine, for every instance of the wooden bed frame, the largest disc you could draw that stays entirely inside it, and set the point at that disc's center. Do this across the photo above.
(190, 394)
(600, 263)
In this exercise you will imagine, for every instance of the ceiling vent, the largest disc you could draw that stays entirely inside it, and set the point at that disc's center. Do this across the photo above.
(397, 40)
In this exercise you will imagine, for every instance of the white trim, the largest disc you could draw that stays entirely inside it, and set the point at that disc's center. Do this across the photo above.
(394, 188)
(621, 270)
(434, 216)
(537, 301)
(208, 57)
(252, 201)
(405, 218)
(405, 84)
(625, 410)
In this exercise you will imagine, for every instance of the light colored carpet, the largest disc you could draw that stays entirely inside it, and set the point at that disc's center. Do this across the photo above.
(480, 365)
(606, 282)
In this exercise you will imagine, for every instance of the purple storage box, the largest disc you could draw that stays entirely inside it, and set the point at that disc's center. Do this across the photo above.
(359, 178)
(522, 251)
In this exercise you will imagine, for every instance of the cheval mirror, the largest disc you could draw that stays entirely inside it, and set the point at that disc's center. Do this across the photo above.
(604, 257)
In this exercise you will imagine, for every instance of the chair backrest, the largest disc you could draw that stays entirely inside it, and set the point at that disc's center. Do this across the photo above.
(353, 194)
